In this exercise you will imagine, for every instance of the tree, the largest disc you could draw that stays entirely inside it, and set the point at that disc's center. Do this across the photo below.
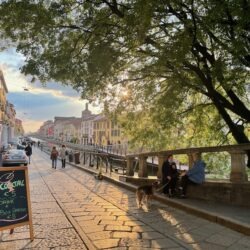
(165, 52)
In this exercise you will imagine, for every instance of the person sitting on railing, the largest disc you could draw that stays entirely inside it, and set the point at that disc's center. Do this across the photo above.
(195, 175)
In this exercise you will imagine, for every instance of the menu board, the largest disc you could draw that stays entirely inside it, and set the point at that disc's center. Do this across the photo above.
(14, 198)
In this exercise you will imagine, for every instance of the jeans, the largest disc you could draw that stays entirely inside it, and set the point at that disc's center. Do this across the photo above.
(54, 163)
(63, 163)
(185, 181)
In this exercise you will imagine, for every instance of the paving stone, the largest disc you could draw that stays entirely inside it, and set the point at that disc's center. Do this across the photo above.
(119, 248)
(139, 243)
(105, 217)
(111, 222)
(131, 235)
(119, 213)
(15, 236)
(48, 215)
(163, 243)
(106, 244)
(71, 247)
(19, 244)
(152, 235)
(99, 235)
(134, 223)
(190, 238)
(92, 229)
(75, 210)
(238, 247)
(49, 221)
(78, 214)
(126, 218)
(245, 241)
(85, 218)
(99, 213)
(118, 228)
(61, 237)
(221, 240)
(207, 246)
(94, 209)
(142, 229)
(142, 248)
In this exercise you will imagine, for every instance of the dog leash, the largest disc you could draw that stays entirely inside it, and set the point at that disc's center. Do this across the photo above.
(163, 186)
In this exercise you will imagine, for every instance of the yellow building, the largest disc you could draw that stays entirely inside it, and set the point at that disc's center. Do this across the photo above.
(3, 115)
(107, 132)
(3, 92)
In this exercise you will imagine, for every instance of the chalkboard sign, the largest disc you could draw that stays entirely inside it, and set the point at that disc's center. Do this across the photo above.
(15, 209)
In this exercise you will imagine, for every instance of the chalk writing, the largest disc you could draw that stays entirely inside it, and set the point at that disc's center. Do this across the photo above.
(13, 197)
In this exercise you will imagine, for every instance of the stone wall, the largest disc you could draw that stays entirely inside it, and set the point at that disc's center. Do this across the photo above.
(216, 191)
(224, 192)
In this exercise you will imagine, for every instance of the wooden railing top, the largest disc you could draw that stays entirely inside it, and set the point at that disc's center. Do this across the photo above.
(224, 148)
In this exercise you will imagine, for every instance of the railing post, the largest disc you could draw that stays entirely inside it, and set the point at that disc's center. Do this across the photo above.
(190, 160)
(161, 159)
(238, 166)
(130, 166)
(143, 170)
(90, 159)
(81, 156)
(97, 162)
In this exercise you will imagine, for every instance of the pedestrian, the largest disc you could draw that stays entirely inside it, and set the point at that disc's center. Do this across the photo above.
(194, 176)
(53, 157)
(174, 176)
(170, 176)
(63, 153)
(28, 151)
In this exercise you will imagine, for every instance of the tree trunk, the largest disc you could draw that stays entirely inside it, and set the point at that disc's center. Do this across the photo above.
(237, 131)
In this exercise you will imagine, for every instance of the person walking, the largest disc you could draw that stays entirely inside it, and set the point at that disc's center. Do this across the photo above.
(63, 153)
(53, 157)
(28, 151)
(194, 176)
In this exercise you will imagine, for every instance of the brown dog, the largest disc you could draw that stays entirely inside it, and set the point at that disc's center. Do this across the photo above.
(145, 193)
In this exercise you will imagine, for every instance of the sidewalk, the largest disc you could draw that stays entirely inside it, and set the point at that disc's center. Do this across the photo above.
(72, 210)
(234, 217)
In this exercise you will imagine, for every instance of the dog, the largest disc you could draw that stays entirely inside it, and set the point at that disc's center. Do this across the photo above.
(145, 193)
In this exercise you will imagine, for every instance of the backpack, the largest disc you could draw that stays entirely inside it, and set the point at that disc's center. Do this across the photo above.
(54, 154)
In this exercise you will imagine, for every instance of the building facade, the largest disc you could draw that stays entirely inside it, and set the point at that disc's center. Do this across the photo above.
(107, 131)
(19, 131)
(3, 116)
(87, 126)
(89, 129)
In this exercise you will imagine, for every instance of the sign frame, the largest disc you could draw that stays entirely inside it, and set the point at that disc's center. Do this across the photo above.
(29, 221)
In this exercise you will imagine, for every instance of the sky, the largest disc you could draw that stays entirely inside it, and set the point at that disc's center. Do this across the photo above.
(40, 103)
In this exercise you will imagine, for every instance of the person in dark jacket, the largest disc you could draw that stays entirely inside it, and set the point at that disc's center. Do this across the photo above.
(28, 151)
(167, 174)
(195, 175)
(174, 176)
(53, 156)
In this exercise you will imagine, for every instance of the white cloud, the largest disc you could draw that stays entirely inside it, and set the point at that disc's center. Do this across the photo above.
(55, 99)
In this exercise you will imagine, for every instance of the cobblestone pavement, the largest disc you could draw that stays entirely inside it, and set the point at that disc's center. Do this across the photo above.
(72, 210)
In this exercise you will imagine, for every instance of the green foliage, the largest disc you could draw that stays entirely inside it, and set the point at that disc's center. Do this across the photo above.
(184, 64)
